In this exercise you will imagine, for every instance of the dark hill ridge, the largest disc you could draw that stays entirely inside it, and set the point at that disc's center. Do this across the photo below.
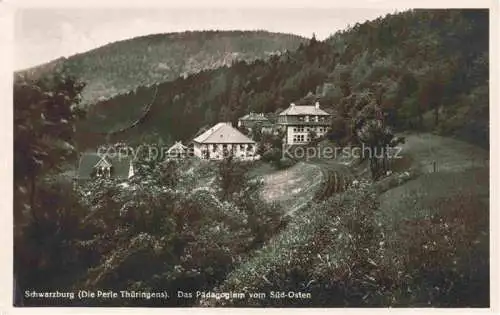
(123, 66)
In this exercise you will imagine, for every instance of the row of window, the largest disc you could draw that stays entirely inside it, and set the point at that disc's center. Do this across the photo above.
(206, 154)
(312, 118)
(307, 129)
(225, 147)
(299, 138)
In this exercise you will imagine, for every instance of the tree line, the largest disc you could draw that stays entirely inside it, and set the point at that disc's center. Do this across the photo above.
(426, 69)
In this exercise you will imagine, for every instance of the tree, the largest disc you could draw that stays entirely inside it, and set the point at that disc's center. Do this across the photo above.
(338, 129)
(45, 208)
(230, 176)
(45, 112)
(312, 135)
(375, 135)
(256, 132)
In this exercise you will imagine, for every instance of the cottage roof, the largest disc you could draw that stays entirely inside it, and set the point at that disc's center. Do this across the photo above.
(304, 110)
(88, 161)
(178, 146)
(223, 132)
(254, 117)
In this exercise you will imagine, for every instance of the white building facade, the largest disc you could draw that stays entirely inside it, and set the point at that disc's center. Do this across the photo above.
(300, 120)
(223, 140)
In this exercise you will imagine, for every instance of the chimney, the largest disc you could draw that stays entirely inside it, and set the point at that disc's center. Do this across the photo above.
(292, 105)
(316, 105)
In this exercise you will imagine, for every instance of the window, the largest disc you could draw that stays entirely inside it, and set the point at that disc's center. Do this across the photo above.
(294, 129)
(298, 138)
(300, 129)
(250, 147)
(214, 147)
(242, 147)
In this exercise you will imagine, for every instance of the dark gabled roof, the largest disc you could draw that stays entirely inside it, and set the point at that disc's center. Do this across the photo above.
(120, 164)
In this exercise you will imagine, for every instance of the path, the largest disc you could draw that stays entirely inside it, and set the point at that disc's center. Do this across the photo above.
(294, 187)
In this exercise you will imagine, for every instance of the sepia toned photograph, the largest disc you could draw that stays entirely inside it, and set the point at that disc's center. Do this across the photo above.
(274, 157)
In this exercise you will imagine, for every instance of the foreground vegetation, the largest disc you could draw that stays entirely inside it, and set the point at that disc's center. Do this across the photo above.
(195, 225)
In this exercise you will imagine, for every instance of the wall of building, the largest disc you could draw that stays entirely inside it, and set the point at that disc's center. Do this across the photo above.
(303, 131)
(298, 119)
(240, 151)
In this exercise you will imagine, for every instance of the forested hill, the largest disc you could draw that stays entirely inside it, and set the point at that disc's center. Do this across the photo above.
(122, 66)
(428, 69)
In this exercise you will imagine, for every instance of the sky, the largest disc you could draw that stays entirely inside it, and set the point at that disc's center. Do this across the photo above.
(44, 34)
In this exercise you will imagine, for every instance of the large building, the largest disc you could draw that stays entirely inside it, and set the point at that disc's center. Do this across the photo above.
(222, 140)
(300, 120)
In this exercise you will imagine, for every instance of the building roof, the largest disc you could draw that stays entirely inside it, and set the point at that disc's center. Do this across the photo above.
(120, 164)
(304, 110)
(178, 146)
(223, 132)
(255, 117)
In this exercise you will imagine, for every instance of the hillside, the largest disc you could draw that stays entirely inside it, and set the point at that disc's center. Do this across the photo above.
(420, 242)
(122, 66)
(427, 69)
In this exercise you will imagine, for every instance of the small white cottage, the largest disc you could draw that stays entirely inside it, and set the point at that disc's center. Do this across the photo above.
(177, 151)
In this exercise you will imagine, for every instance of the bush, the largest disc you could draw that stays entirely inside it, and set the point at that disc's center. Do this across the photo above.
(285, 163)
(323, 252)
(344, 255)
(272, 155)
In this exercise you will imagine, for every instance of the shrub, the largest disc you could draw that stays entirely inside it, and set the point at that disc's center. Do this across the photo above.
(442, 259)
(342, 254)
(272, 155)
(285, 163)
(315, 254)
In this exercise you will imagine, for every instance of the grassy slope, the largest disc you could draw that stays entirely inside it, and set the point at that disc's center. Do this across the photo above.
(462, 175)
(461, 168)
(456, 190)
(454, 200)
